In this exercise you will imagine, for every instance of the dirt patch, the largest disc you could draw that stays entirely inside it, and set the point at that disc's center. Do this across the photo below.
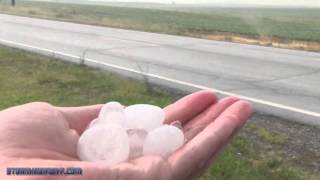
(264, 41)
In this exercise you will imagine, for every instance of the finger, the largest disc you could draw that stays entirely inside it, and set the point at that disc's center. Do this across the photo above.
(79, 117)
(189, 106)
(203, 169)
(210, 141)
(196, 125)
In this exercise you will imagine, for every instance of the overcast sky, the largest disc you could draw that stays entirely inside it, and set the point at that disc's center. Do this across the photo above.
(244, 2)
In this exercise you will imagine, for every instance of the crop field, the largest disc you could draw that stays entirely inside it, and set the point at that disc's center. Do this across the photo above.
(273, 23)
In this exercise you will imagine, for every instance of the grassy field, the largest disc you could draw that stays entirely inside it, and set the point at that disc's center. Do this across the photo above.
(26, 77)
(266, 24)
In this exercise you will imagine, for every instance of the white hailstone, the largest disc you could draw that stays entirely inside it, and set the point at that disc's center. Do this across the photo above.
(92, 123)
(163, 141)
(108, 144)
(110, 107)
(143, 116)
(113, 118)
(111, 113)
(136, 141)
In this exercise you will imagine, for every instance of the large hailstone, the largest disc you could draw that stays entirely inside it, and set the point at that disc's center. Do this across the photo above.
(108, 143)
(110, 107)
(136, 141)
(119, 134)
(163, 141)
(111, 113)
(93, 122)
(143, 116)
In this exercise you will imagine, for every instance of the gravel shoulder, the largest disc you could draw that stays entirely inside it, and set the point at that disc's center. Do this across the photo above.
(300, 144)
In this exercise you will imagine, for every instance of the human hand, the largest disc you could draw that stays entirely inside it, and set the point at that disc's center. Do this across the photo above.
(41, 135)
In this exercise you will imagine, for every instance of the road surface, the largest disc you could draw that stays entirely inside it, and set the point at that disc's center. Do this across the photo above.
(282, 82)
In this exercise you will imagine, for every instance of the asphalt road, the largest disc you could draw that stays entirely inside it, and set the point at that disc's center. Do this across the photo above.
(282, 82)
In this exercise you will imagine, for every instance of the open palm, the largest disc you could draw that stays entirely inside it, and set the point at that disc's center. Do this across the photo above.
(41, 135)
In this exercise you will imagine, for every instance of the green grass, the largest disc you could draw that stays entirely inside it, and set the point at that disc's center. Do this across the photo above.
(26, 77)
(266, 135)
(241, 161)
(274, 138)
(300, 24)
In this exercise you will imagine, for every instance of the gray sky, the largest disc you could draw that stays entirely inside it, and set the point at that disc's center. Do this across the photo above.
(244, 2)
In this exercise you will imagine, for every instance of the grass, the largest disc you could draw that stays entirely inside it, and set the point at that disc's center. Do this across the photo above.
(266, 135)
(240, 161)
(274, 138)
(26, 77)
(298, 24)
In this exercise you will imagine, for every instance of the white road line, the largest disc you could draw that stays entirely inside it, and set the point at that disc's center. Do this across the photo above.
(259, 101)
(40, 49)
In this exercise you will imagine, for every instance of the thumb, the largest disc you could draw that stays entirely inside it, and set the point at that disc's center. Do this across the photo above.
(78, 118)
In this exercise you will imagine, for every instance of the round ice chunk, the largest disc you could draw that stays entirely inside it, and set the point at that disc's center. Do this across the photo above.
(108, 144)
(136, 141)
(92, 123)
(110, 107)
(143, 116)
(163, 141)
(113, 118)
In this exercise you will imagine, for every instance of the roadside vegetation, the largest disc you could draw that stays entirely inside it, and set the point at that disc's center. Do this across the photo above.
(278, 27)
(26, 77)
